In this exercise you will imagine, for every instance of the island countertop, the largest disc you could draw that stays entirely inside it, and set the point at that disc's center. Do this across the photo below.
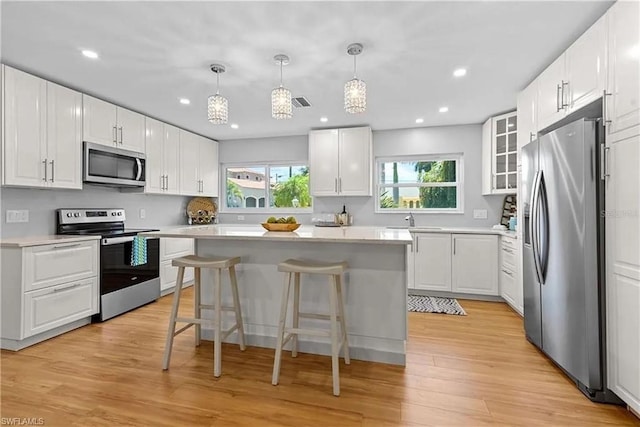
(306, 233)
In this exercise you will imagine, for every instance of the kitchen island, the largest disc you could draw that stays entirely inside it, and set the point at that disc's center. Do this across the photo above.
(375, 285)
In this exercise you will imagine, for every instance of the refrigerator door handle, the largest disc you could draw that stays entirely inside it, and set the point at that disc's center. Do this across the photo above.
(543, 253)
(534, 225)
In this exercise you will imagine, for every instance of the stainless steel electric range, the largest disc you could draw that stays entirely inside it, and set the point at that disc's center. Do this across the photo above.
(123, 287)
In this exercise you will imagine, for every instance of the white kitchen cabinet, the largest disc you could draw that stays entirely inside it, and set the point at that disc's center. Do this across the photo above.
(510, 285)
(551, 102)
(527, 115)
(622, 251)
(47, 290)
(169, 249)
(623, 103)
(340, 162)
(108, 124)
(500, 155)
(198, 165)
(42, 140)
(432, 261)
(162, 148)
(474, 265)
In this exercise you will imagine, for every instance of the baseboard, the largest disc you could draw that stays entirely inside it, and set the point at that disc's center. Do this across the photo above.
(428, 293)
(313, 347)
(15, 345)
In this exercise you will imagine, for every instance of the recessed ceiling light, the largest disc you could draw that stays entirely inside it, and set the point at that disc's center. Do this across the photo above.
(324, 119)
(420, 120)
(90, 54)
(234, 126)
(460, 72)
(184, 101)
(443, 109)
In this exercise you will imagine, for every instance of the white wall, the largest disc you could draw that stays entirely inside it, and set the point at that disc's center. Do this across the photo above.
(465, 139)
(42, 204)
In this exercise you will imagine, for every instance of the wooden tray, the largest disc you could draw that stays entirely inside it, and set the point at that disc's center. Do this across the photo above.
(280, 227)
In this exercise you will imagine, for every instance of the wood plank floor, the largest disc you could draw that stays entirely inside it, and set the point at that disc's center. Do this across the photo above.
(474, 370)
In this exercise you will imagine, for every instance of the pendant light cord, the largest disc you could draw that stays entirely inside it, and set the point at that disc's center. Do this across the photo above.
(217, 83)
(281, 73)
(354, 66)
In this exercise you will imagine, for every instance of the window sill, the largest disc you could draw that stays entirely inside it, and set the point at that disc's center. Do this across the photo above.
(420, 212)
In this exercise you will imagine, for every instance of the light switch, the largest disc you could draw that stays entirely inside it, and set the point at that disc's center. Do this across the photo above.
(479, 214)
(240, 217)
(143, 213)
(17, 216)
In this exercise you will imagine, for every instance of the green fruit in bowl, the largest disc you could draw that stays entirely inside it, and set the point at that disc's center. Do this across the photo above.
(291, 220)
(282, 220)
(272, 220)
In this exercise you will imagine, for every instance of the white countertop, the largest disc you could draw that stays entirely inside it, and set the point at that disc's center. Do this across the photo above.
(20, 242)
(306, 233)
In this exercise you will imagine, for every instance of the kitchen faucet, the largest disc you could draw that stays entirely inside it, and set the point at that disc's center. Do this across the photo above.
(411, 219)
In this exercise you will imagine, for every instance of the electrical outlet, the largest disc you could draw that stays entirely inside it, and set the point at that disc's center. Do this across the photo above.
(479, 214)
(143, 214)
(18, 216)
(240, 217)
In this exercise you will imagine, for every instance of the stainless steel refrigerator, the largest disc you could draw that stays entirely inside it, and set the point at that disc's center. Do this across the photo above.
(563, 254)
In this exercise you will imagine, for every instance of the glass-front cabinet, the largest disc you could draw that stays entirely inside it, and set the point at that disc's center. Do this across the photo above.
(500, 154)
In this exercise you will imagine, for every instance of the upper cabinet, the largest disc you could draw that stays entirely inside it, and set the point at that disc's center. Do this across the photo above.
(500, 152)
(574, 79)
(527, 120)
(340, 162)
(108, 124)
(163, 152)
(198, 165)
(623, 103)
(42, 133)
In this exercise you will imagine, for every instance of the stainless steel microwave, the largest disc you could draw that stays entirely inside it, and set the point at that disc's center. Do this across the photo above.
(113, 166)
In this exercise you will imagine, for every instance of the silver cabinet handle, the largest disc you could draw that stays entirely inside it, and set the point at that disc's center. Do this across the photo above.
(66, 287)
(417, 244)
(115, 135)
(166, 185)
(340, 185)
(70, 245)
(454, 245)
(564, 105)
(44, 162)
(507, 272)
(532, 136)
(558, 91)
(607, 121)
(52, 170)
(120, 134)
(604, 162)
(509, 251)
(162, 182)
(335, 184)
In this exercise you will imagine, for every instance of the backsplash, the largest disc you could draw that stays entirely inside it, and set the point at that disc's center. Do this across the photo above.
(159, 210)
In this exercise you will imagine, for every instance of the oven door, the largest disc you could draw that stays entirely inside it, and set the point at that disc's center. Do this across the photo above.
(113, 166)
(116, 271)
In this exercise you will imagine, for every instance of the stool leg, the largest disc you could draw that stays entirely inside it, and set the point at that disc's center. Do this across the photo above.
(280, 338)
(296, 313)
(236, 305)
(172, 319)
(343, 322)
(335, 364)
(197, 311)
(217, 344)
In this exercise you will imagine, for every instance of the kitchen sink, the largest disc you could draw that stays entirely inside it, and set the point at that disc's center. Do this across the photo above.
(417, 228)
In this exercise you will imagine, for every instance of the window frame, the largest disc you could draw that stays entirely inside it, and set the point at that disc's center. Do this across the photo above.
(267, 201)
(459, 184)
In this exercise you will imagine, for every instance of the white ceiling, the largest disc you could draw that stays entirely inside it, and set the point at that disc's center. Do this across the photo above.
(153, 53)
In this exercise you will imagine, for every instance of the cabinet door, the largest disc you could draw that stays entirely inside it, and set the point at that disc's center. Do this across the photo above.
(171, 156)
(64, 137)
(586, 66)
(169, 275)
(354, 177)
(25, 110)
(154, 145)
(432, 262)
(550, 102)
(189, 162)
(131, 130)
(623, 270)
(209, 167)
(487, 157)
(623, 106)
(98, 121)
(323, 162)
(475, 264)
(172, 248)
(505, 153)
(527, 115)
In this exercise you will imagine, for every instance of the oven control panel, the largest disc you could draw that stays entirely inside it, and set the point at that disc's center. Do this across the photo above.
(77, 216)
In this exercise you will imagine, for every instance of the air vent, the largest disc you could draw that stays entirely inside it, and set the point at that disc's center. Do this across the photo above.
(300, 102)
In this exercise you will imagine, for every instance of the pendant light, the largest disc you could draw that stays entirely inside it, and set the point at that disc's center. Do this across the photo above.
(355, 90)
(281, 107)
(218, 106)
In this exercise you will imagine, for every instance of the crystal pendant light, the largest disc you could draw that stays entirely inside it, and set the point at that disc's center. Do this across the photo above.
(281, 107)
(355, 90)
(218, 106)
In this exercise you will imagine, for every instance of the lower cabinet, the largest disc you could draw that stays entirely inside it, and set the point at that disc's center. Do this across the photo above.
(432, 261)
(510, 284)
(44, 294)
(171, 248)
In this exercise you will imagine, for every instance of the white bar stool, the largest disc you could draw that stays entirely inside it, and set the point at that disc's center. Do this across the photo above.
(334, 270)
(217, 264)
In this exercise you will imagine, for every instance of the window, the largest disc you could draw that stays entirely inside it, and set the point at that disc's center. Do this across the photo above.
(428, 183)
(264, 188)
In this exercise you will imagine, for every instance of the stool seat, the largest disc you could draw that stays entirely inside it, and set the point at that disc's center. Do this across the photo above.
(312, 267)
(205, 262)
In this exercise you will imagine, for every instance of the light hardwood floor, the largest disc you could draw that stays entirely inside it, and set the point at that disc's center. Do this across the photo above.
(475, 370)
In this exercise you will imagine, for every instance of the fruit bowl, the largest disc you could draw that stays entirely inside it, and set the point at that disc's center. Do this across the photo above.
(274, 226)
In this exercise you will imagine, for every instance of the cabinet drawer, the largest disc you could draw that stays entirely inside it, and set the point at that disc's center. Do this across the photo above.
(508, 242)
(508, 258)
(169, 275)
(173, 248)
(58, 305)
(51, 265)
(508, 286)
